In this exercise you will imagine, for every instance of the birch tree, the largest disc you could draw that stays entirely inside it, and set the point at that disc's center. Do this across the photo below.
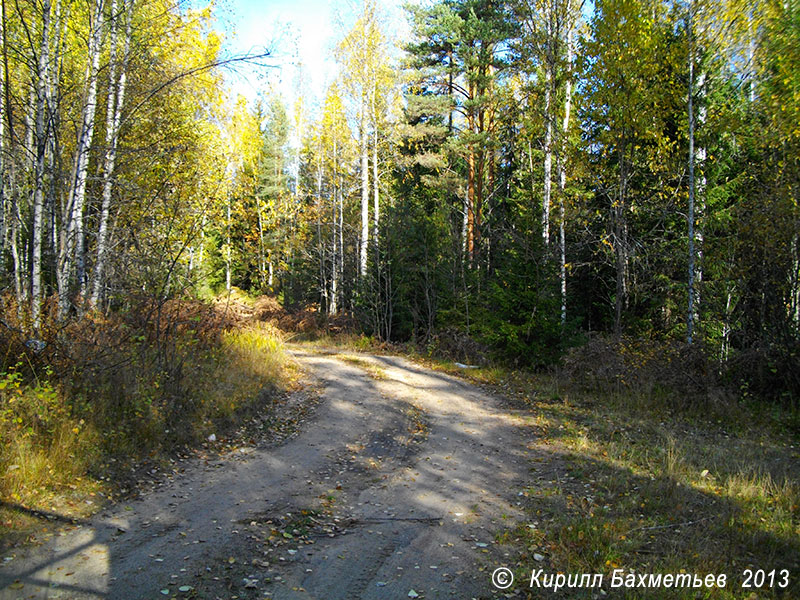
(72, 256)
(335, 135)
(121, 24)
(623, 127)
(562, 172)
(364, 58)
(41, 140)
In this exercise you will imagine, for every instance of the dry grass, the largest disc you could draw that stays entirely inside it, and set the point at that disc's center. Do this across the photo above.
(72, 442)
(250, 359)
(373, 370)
(639, 481)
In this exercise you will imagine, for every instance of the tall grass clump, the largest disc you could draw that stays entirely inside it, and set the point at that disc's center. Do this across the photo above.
(249, 363)
(45, 446)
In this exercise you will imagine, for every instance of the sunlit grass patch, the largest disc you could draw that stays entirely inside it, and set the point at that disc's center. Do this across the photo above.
(355, 342)
(373, 370)
(639, 481)
(248, 360)
(45, 452)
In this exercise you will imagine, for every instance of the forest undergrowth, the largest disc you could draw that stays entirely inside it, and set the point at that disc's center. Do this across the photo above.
(652, 469)
(110, 401)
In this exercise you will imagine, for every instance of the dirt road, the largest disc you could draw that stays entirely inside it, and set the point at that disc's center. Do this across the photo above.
(395, 488)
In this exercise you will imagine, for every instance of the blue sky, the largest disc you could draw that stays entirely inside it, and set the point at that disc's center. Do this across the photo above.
(299, 32)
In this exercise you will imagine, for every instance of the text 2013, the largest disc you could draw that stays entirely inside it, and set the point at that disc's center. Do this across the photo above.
(759, 578)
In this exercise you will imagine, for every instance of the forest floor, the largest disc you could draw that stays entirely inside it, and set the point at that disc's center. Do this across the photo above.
(395, 487)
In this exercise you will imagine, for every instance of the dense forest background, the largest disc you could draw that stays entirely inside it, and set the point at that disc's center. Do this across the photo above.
(518, 180)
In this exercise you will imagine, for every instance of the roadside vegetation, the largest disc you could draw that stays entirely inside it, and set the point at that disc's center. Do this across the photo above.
(640, 469)
(111, 399)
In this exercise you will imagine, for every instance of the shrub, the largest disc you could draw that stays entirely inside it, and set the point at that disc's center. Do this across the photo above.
(770, 372)
(127, 386)
(647, 367)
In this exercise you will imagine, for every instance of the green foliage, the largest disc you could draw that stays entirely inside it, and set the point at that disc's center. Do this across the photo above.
(519, 318)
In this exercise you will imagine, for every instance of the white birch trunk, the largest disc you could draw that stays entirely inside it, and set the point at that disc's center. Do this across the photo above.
(333, 306)
(19, 289)
(299, 111)
(201, 249)
(10, 224)
(228, 247)
(794, 304)
(341, 236)
(751, 57)
(362, 270)
(41, 147)
(323, 282)
(690, 315)
(261, 252)
(3, 174)
(465, 226)
(562, 178)
(116, 100)
(726, 328)
(548, 140)
(30, 128)
(375, 180)
(700, 198)
(57, 63)
(74, 234)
